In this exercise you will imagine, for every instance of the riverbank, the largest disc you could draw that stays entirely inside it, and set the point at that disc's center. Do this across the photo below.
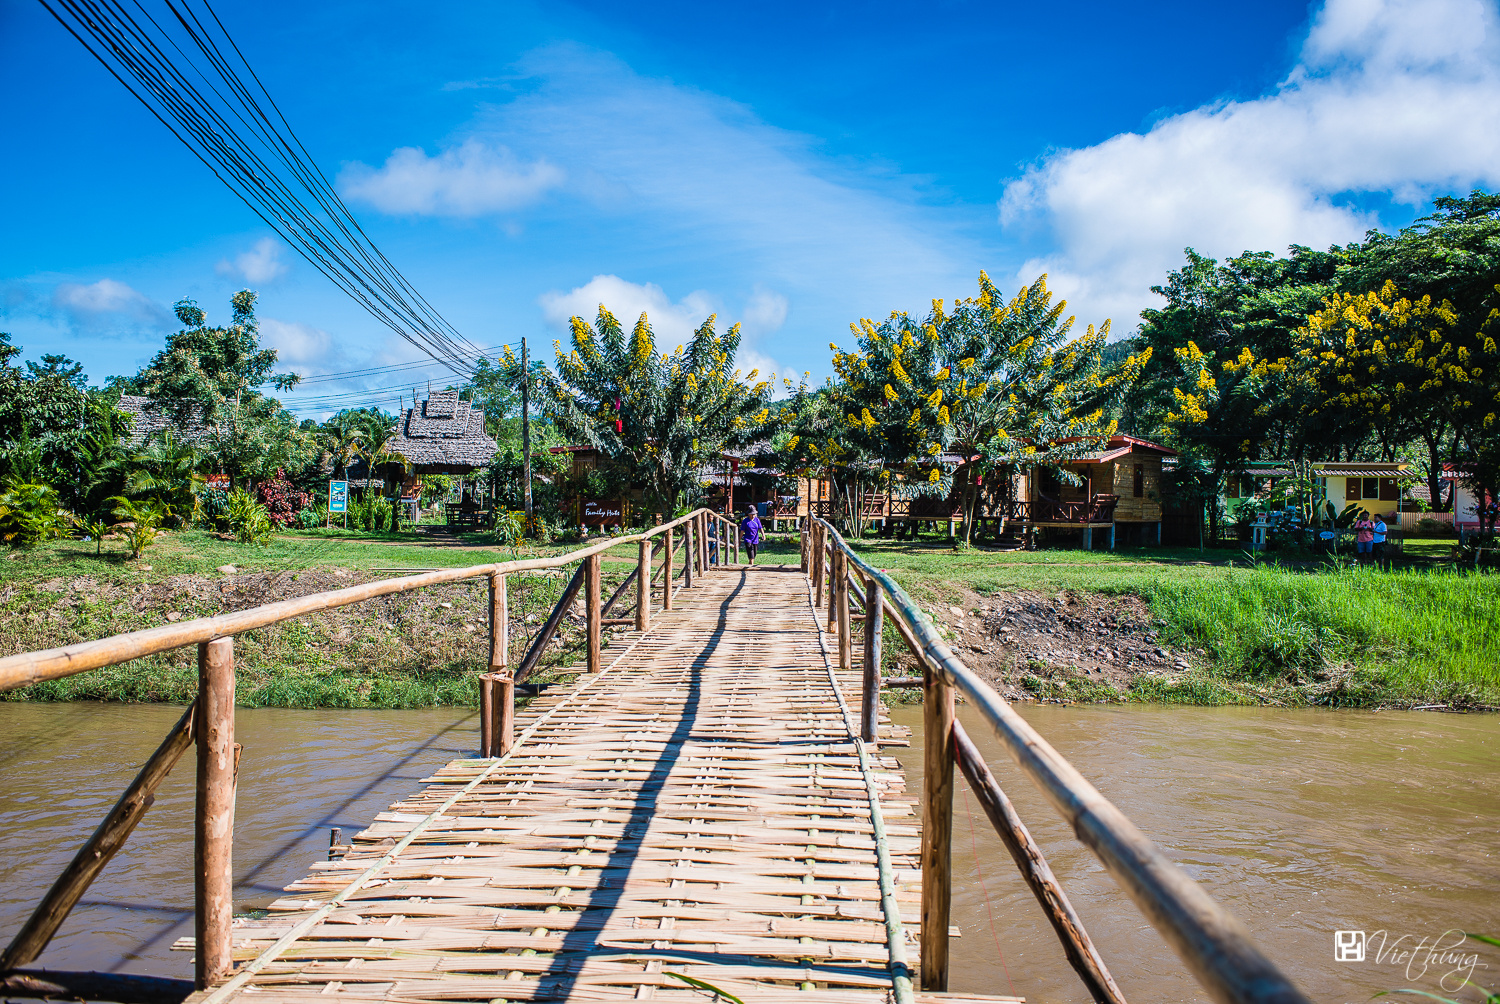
(1180, 626)
(419, 649)
(1153, 625)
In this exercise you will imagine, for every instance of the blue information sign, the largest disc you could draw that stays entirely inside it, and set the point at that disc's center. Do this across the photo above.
(338, 496)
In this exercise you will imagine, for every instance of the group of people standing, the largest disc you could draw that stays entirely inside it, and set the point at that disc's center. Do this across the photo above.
(1369, 538)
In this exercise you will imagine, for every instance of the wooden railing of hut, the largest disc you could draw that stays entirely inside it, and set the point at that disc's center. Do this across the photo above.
(1215, 946)
(209, 723)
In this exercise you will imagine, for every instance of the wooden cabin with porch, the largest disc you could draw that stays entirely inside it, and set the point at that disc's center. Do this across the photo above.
(1118, 495)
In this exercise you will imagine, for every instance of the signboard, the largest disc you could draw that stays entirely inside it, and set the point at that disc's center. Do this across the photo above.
(338, 496)
(600, 513)
(218, 482)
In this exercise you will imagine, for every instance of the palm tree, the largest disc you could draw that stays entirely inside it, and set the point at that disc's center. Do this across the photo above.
(343, 437)
(169, 473)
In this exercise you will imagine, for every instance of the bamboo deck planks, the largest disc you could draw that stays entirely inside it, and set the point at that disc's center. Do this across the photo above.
(699, 809)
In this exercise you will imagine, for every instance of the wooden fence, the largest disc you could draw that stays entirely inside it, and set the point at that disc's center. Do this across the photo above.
(1214, 945)
(209, 722)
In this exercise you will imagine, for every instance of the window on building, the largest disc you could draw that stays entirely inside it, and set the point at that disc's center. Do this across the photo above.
(1370, 489)
(1140, 480)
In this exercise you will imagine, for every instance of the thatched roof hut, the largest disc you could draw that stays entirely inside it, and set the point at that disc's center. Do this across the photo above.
(150, 417)
(444, 435)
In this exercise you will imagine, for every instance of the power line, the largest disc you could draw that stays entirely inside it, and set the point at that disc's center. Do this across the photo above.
(381, 370)
(225, 125)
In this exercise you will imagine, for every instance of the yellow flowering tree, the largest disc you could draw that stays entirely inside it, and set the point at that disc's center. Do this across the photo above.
(983, 387)
(662, 416)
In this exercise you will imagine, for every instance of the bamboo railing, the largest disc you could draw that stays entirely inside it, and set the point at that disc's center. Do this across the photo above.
(1215, 946)
(209, 724)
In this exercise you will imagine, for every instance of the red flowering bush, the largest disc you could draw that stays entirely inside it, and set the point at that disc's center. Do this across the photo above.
(282, 501)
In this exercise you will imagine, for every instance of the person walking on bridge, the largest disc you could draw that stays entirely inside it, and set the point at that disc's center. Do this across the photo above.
(750, 528)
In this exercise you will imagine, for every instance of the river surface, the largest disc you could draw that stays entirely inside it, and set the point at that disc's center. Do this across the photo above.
(1302, 823)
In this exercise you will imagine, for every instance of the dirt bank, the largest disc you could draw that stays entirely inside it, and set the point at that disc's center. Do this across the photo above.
(1061, 646)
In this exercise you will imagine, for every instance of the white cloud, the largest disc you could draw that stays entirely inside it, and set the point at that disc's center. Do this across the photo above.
(108, 303)
(1398, 99)
(765, 311)
(295, 342)
(470, 180)
(673, 323)
(682, 168)
(262, 263)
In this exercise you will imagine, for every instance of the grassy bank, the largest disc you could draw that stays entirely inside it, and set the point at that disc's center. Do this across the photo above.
(416, 649)
(1161, 625)
(1343, 637)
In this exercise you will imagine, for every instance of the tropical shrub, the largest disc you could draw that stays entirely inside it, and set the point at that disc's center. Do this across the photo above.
(248, 519)
(213, 508)
(283, 501)
(510, 528)
(307, 519)
(29, 513)
(94, 529)
(143, 521)
(382, 514)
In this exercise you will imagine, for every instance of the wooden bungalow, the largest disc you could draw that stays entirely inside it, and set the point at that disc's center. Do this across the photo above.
(1119, 491)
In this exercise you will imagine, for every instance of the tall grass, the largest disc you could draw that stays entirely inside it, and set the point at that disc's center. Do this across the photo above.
(1402, 636)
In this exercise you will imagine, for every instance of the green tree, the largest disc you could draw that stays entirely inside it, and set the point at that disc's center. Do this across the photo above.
(54, 430)
(1000, 384)
(661, 416)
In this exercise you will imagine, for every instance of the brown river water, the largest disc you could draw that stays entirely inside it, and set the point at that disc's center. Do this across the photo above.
(1302, 823)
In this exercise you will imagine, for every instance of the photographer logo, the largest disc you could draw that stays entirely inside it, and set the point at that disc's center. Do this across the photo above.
(1349, 946)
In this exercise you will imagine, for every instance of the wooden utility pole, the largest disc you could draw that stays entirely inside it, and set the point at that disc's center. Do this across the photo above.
(526, 427)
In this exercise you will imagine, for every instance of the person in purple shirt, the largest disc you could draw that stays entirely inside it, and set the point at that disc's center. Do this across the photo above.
(750, 532)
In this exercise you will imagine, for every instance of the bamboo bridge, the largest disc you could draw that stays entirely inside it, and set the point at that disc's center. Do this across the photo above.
(704, 812)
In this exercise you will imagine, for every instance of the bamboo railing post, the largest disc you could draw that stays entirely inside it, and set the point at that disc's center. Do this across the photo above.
(1077, 946)
(937, 828)
(869, 710)
(703, 543)
(592, 605)
(736, 543)
(499, 624)
(689, 555)
(816, 559)
(643, 586)
(830, 571)
(802, 555)
(213, 851)
(505, 699)
(666, 579)
(487, 715)
(841, 612)
(91, 858)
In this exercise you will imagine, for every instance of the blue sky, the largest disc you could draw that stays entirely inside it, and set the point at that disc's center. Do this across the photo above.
(791, 167)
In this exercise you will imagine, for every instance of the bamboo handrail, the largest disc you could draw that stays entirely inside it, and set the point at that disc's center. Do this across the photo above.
(28, 668)
(1215, 946)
